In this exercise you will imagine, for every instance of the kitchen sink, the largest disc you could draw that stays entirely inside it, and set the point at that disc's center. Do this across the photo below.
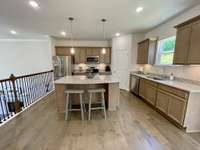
(156, 77)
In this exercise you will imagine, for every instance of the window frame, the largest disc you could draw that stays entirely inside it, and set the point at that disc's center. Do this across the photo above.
(158, 53)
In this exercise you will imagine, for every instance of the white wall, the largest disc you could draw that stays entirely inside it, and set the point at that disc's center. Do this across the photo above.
(21, 57)
(166, 30)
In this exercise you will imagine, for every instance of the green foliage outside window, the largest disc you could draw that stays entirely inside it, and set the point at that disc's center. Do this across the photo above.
(166, 50)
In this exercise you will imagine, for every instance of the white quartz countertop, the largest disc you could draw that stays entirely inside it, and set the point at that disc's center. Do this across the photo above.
(98, 79)
(192, 88)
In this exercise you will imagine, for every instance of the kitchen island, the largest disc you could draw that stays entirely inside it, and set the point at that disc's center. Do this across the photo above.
(108, 82)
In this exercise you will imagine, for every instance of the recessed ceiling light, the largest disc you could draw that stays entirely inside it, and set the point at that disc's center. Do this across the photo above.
(139, 9)
(63, 33)
(34, 4)
(13, 32)
(117, 34)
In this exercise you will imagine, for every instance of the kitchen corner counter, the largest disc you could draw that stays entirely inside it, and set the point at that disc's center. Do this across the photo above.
(182, 85)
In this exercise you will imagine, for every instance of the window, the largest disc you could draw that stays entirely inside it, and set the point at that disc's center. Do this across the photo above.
(165, 51)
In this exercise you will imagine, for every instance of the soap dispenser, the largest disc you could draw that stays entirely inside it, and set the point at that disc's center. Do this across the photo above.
(171, 76)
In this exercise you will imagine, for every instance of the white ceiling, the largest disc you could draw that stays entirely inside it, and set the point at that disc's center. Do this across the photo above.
(52, 16)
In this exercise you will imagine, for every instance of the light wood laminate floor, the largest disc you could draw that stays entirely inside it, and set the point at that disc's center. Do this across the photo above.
(134, 127)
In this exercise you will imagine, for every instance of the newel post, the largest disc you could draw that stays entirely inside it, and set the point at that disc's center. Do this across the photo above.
(17, 103)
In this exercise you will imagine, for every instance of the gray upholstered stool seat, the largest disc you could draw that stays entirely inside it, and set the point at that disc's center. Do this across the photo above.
(68, 107)
(102, 101)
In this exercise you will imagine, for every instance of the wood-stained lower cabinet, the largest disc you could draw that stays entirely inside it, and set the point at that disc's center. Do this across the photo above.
(162, 102)
(169, 100)
(148, 92)
(177, 108)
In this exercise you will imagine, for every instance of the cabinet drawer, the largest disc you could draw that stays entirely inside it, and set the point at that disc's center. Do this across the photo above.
(172, 90)
(149, 82)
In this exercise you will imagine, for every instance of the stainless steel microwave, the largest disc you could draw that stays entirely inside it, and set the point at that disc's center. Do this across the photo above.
(92, 59)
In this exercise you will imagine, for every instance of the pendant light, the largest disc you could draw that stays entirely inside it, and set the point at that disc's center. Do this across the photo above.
(72, 50)
(103, 51)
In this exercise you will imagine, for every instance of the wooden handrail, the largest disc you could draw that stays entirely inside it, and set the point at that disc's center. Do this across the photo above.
(33, 74)
(29, 75)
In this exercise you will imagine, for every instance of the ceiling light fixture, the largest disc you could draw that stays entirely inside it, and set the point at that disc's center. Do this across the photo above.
(33, 4)
(103, 51)
(139, 9)
(72, 50)
(63, 33)
(13, 32)
(117, 34)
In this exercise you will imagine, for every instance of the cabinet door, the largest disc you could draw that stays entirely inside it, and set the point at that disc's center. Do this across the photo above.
(162, 102)
(143, 52)
(108, 56)
(142, 89)
(89, 51)
(63, 51)
(182, 44)
(105, 58)
(151, 94)
(194, 51)
(77, 56)
(82, 55)
(96, 51)
(176, 109)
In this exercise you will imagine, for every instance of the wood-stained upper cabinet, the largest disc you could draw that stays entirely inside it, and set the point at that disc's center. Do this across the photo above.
(187, 49)
(62, 51)
(105, 58)
(146, 52)
(182, 44)
(194, 52)
(82, 55)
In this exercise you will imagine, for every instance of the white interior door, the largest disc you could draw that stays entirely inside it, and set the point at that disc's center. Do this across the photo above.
(120, 67)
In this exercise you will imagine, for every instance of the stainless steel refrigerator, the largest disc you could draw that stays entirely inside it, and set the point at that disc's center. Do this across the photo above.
(63, 66)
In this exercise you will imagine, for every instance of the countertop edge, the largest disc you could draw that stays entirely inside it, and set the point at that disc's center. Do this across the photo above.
(178, 87)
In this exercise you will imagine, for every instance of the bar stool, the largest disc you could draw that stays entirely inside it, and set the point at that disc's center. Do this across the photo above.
(102, 102)
(68, 107)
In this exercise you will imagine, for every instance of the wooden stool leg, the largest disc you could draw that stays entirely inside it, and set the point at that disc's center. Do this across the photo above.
(82, 107)
(66, 107)
(103, 103)
(90, 101)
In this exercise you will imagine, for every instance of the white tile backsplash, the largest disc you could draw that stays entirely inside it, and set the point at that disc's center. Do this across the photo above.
(187, 72)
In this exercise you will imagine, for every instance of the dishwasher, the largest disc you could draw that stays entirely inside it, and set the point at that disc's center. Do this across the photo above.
(134, 84)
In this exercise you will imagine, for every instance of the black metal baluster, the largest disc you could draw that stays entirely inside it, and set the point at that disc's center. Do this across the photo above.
(4, 99)
(45, 82)
(21, 92)
(28, 83)
(12, 97)
(34, 88)
(39, 85)
(2, 109)
(25, 91)
(9, 97)
(31, 89)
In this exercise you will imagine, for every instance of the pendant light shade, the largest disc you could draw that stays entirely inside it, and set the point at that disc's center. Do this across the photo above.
(103, 51)
(72, 50)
